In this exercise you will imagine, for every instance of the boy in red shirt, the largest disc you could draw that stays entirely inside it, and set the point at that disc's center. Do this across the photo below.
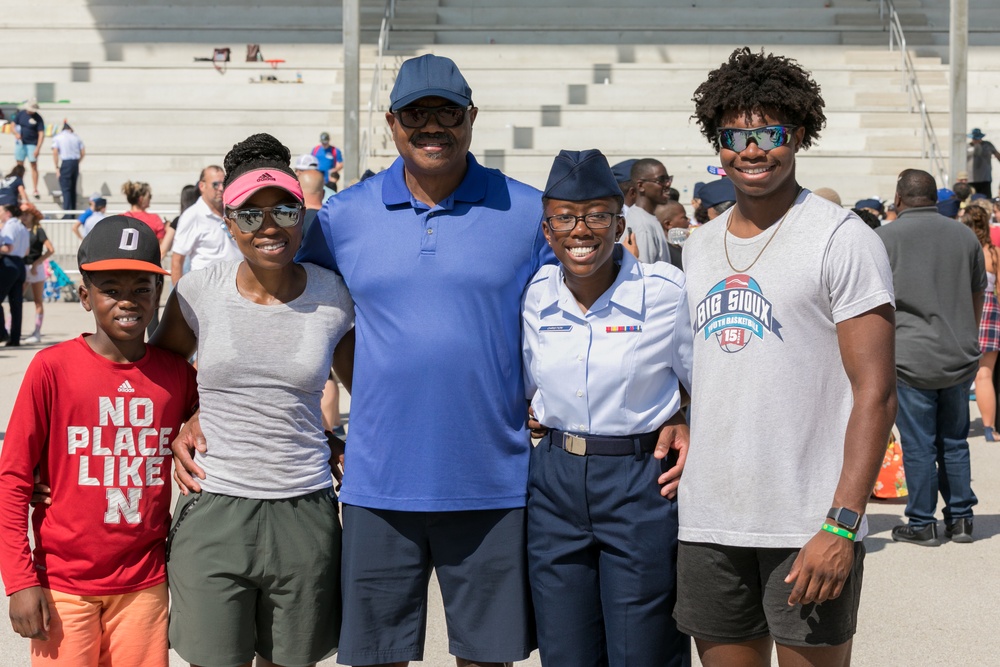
(95, 416)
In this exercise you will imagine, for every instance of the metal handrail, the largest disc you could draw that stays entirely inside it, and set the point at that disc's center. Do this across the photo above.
(368, 136)
(915, 97)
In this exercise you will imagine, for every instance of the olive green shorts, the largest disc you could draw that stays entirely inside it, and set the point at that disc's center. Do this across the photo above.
(250, 576)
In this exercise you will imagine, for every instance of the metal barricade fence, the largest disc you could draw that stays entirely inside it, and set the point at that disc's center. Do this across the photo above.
(66, 243)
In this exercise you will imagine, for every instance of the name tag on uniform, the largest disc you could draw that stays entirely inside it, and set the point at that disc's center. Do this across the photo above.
(554, 329)
(632, 329)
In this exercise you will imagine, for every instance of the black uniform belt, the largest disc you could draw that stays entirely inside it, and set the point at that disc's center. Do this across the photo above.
(603, 445)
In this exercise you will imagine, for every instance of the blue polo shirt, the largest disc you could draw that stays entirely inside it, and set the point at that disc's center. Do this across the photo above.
(438, 408)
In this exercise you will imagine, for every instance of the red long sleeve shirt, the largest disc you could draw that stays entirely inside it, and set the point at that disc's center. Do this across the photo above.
(100, 434)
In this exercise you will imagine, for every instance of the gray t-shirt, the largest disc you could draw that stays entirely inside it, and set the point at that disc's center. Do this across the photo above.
(937, 265)
(770, 396)
(261, 372)
(649, 236)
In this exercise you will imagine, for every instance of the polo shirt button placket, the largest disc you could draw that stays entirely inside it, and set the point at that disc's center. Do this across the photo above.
(428, 244)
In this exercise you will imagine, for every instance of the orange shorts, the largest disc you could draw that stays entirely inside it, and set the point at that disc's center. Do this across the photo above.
(105, 630)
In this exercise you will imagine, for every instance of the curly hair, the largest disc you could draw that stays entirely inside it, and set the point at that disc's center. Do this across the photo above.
(135, 190)
(752, 83)
(258, 151)
(978, 220)
(31, 217)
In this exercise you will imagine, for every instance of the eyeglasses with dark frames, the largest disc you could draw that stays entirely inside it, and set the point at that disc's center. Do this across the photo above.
(662, 181)
(565, 223)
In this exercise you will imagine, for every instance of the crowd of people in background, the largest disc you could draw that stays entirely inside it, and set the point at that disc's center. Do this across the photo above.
(596, 315)
(201, 242)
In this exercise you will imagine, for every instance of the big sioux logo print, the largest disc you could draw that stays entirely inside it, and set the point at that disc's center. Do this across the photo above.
(735, 311)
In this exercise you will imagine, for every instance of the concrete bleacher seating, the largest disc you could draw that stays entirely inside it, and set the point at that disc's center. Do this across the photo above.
(558, 74)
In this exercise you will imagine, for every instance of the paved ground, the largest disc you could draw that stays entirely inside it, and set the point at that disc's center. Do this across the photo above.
(920, 607)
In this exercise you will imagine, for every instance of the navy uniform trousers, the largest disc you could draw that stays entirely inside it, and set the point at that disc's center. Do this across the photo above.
(602, 551)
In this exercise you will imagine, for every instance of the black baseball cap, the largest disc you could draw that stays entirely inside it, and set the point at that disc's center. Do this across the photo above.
(120, 243)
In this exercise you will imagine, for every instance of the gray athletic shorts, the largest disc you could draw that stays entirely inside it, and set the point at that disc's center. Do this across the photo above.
(481, 563)
(737, 594)
(254, 576)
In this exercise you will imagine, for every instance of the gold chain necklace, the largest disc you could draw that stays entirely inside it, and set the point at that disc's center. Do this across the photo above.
(725, 236)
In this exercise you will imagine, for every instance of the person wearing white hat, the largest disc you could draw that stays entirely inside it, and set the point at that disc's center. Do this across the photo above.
(29, 135)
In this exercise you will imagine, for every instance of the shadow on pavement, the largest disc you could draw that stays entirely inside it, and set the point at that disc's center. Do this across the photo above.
(985, 526)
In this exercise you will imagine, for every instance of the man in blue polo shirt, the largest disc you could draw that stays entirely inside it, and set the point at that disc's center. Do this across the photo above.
(29, 134)
(436, 251)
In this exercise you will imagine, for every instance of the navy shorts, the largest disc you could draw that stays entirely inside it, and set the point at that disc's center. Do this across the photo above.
(731, 595)
(481, 564)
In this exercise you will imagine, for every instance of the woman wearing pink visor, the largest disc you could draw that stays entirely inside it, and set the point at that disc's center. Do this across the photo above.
(253, 554)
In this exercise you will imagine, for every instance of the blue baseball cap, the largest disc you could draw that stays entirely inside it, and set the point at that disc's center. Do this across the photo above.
(944, 193)
(717, 192)
(873, 204)
(429, 76)
(949, 207)
(581, 175)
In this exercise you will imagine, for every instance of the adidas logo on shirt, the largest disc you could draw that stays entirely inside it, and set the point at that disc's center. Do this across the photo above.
(126, 388)
(266, 177)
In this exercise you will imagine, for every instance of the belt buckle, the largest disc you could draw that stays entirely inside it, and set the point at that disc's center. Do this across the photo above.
(575, 444)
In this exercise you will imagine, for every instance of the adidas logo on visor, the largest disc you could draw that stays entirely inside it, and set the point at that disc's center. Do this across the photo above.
(126, 388)
(266, 177)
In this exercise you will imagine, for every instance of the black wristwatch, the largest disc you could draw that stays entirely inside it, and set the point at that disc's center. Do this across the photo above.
(845, 518)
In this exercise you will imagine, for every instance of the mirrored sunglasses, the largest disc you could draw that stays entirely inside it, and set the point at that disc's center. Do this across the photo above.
(766, 138)
(251, 219)
(417, 117)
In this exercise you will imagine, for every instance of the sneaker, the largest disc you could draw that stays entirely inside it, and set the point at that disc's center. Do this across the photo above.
(925, 536)
(4, 336)
(339, 431)
(33, 339)
(960, 530)
(991, 436)
(37, 196)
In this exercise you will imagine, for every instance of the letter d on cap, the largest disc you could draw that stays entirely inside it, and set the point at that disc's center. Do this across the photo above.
(130, 239)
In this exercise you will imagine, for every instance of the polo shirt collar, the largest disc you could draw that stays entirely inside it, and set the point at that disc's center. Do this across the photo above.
(917, 209)
(472, 188)
(206, 210)
(627, 292)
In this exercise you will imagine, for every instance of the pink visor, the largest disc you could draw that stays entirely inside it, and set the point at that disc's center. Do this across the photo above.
(243, 187)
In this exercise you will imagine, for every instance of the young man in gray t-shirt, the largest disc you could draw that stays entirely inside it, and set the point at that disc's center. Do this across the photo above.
(793, 392)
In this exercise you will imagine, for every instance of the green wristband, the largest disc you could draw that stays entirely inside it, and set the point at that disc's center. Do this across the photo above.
(837, 530)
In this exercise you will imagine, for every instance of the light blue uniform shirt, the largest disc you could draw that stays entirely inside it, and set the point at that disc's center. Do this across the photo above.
(614, 370)
(69, 145)
(438, 417)
(17, 236)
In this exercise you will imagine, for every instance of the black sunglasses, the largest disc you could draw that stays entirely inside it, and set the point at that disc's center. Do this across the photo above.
(414, 118)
